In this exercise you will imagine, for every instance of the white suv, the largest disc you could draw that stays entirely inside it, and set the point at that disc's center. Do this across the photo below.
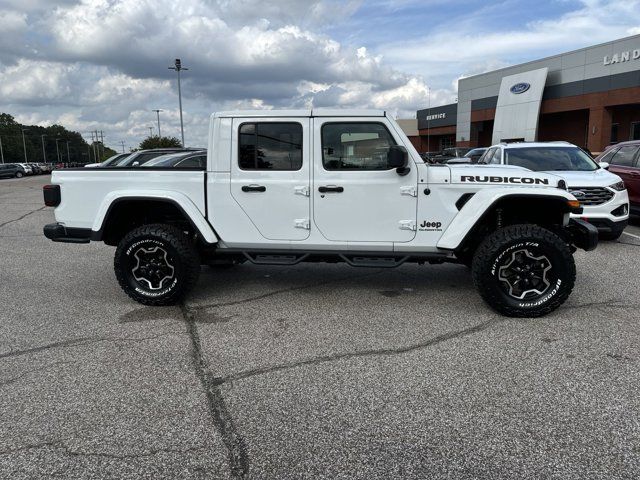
(601, 193)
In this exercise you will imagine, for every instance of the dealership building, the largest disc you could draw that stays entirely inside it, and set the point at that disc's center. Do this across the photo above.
(589, 97)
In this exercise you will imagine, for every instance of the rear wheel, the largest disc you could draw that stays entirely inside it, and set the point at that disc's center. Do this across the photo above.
(156, 264)
(524, 271)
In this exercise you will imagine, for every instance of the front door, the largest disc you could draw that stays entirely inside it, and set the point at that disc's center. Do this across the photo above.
(624, 162)
(270, 175)
(356, 196)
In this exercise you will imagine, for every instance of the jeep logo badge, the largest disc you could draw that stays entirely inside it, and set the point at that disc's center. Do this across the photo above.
(519, 88)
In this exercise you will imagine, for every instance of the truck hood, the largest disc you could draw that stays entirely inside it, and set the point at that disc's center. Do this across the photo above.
(596, 178)
(501, 175)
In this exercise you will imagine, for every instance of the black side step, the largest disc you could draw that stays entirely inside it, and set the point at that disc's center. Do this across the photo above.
(374, 261)
(275, 259)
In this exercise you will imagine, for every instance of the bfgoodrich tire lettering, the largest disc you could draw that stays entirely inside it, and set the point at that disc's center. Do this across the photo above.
(524, 271)
(156, 264)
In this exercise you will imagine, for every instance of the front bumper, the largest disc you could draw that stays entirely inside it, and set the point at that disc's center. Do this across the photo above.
(583, 234)
(604, 225)
(608, 217)
(59, 233)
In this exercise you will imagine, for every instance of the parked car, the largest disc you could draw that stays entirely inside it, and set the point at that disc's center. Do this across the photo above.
(449, 153)
(429, 156)
(475, 154)
(37, 170)
(109, 161)
(139, 158)
(11, 170)
(472, 156)
(602, 194)
(27, 168)
(623, 159)
(180, 160)
(361, 195)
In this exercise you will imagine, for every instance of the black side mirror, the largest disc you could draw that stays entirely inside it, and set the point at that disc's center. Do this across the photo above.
(398, 158)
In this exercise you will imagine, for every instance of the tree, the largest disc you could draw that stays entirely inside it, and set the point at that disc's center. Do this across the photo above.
(40, 143)
(159, 142)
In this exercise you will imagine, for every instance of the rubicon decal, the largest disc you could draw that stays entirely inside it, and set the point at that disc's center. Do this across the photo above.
(516, 180)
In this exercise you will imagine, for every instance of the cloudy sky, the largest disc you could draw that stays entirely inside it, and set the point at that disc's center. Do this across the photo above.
(102, 64)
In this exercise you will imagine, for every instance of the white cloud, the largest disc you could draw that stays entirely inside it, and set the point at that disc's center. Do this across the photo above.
(474, 44)
(109, 59)
(103, 63)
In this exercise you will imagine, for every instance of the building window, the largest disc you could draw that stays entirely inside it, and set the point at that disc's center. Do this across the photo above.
(270, 146)
(355, 146)
(614, 133)
(635, 131)
(447, 142)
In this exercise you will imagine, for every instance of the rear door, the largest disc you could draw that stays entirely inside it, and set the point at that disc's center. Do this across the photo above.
(356, 197)
(624, 162)
(270, 175)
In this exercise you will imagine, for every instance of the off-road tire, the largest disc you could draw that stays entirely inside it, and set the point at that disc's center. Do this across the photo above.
(180, 256)
(492, 256)
(19, 174)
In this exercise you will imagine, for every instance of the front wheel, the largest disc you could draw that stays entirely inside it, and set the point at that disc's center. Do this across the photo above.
(524, 271)
(19, 175)
(156, 264)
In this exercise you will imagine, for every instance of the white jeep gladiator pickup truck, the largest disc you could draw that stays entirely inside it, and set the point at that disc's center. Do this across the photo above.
(283, 187)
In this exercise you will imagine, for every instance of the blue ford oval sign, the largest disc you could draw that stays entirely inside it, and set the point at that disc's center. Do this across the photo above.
(519, 88)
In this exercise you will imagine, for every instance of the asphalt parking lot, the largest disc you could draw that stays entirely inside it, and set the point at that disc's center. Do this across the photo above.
(312, 371)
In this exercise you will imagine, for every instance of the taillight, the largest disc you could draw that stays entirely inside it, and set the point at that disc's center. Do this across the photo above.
(51, 195)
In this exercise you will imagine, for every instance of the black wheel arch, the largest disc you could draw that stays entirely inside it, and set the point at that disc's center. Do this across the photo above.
(540, 209)
(127, 213)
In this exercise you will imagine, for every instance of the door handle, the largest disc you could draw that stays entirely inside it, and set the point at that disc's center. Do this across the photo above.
(330, 188)
(254, 188)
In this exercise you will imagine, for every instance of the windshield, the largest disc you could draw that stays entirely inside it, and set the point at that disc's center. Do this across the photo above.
(549, 159)
(476, 152)
(165, 159)
(113, 159)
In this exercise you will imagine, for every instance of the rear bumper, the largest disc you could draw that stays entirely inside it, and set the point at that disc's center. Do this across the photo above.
(59, 233)
(583, 234)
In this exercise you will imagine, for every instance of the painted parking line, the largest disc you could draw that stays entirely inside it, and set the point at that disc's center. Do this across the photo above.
(632, 235)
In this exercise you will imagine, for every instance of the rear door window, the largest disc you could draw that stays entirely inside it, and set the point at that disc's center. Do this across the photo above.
(624, 157)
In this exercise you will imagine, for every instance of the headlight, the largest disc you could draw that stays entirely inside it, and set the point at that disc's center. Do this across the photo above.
(618, 186)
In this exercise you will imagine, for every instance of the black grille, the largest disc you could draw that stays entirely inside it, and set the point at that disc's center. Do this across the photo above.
(588, 196)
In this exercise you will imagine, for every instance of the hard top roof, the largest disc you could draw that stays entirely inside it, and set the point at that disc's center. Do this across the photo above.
(316, 112)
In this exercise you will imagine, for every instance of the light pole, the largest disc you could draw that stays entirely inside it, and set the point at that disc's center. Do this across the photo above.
(44, 153)
(57, 149)
(24, 145)
(178, 67)
(158, 114)
(68, 159)
(429, 120)
(150, 131)
(1, 152)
